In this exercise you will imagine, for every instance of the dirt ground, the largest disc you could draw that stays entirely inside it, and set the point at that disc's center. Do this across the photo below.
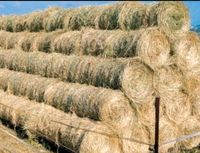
(10, 143)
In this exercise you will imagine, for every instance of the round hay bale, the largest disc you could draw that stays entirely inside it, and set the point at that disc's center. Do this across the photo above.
(54, 20)
(34, 21)
(168, 131)
(2, 38)
(7, 24)
(25, 41)
(11, 40)
(72, 38)
(79, 18)
(189, 126)
(168, 82)
(87, 101)
(154, 48)
(138, 132)
(47, 121)
(108, 17)
(99, 143)
(130, 75)
(122, 44)
(192, 87)
(137, 82)
(187, 52)
(19, 23)
(93, 42)
(170, 16)
(133, 16)
(43, 41)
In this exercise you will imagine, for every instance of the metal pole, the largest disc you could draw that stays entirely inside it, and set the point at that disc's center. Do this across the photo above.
(157, 113)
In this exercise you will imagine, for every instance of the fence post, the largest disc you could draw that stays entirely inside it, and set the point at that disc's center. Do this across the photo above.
(157, 113)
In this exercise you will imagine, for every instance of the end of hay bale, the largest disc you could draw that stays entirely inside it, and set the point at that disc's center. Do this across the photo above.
(187, 52)
(137, 82)
(170, 16)
(154, 48)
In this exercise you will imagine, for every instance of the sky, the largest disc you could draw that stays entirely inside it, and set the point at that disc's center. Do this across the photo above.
(22, 7)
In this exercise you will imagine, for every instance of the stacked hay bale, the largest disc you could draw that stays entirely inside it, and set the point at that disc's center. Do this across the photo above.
(110, 74)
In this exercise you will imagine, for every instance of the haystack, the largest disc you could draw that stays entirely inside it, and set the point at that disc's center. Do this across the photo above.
(168, 82)
(170, 16)
(108, 17)
(86, 101)
(190, 126)
(45, 121)
(187, 53)
(72, 38)
(43, 41)
(54, 20)
(130, 75)
(133, 16)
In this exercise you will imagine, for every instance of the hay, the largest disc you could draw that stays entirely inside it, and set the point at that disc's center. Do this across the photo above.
(39, 119)
(130, 75)
(187, 53)
(79, 18)
(137, 132)
(108, 17)
(25, 41)
(93, 42)
(72, 38)
(54, 20)
(86, 101)
(170, 16)
(192, 87)
(18, 23)
(43, 41)
(189, 126)
(133, 16)
(168, 82)
(34, 22)
(2, 38)
(153, 48)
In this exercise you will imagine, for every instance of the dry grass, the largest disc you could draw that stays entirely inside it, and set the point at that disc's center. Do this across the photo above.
(86, 101)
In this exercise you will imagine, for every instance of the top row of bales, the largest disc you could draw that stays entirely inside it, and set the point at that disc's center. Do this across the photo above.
(171, 16)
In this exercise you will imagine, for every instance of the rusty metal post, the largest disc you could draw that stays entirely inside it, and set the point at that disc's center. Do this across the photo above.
(157, 113)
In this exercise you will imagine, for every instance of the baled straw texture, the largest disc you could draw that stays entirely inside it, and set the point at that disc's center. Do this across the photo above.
(108, 17)
(46, 120)
(54, 20)
(86, 101)
(43, 41)
(170, 16)
(192, 87)
(189, 126)
(67, 43)
(154, 48)
(77, 18)
(168, 82)
(139, 133)
(18, 23)
(133, 16)
(130, 75)
(25, 41)
(187, 53)
(151, 44)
